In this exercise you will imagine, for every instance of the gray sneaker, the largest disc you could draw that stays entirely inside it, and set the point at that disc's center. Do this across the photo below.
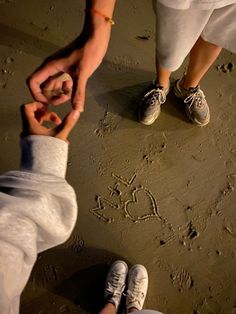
(137, 287)
(115, 282)
(150, 106)
(196, 107)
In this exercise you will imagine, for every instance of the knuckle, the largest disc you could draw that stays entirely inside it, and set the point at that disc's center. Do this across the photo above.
(26, 107)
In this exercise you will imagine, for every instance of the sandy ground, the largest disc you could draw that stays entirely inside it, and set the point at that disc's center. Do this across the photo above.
(167, 191)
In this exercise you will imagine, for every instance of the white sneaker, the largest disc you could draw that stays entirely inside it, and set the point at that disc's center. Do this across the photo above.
(137, 287)
(115, 282)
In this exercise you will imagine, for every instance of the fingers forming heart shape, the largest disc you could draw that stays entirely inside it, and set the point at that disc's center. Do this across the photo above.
(35, 115)
(58, 88)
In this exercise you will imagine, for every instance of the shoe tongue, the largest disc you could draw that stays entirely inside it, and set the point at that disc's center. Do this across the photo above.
(193, 89)
(159, 86)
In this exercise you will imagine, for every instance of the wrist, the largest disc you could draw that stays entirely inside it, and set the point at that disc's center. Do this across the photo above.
(96, 21)
(94, 27)
(105, 17)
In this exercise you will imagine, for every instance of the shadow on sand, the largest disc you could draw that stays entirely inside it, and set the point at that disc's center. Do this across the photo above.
(68, 280)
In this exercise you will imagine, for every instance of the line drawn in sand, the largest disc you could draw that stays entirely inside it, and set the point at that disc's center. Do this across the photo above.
(101, 205)
(128, 204)
(123, 180)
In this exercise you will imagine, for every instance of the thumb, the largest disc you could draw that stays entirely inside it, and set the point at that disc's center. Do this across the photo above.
(68, 124)
(78, 95)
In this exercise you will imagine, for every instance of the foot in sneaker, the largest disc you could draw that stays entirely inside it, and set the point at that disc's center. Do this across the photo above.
(196, 107)
(115, 282)
(150, 106)
(137, 287)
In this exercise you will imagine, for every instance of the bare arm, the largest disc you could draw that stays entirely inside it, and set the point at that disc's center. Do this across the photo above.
(79, 59)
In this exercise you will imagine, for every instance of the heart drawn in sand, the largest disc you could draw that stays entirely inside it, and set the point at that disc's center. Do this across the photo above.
(133, 208)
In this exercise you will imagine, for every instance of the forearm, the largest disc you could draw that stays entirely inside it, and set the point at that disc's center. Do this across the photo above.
(105, 6)
(95, 23)
(38, 210)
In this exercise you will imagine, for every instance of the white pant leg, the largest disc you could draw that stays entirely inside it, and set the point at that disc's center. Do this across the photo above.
(176, 33)
(221, 28)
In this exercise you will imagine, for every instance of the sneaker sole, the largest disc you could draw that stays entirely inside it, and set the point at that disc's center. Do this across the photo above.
(149, 122)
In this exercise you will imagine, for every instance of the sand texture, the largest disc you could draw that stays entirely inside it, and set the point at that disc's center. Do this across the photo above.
(163, 195)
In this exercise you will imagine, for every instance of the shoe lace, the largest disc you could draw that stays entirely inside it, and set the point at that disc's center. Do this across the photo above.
(113, 287)
(136, 295)
(195, 98)
(158, 94)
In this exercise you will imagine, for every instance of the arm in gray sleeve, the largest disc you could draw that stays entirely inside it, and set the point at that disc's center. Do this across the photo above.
(38, 210)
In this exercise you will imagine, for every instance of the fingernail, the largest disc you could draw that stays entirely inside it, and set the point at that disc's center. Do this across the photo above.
(75, 114)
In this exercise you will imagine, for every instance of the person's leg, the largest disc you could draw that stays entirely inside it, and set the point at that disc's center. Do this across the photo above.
(109, 308)
(163, 75)
(202, 56)
(176, 33)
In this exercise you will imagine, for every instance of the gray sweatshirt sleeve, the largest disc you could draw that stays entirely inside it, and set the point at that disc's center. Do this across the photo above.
(38, 210)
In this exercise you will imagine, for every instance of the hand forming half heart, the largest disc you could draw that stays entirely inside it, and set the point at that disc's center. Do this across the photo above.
(35, 114)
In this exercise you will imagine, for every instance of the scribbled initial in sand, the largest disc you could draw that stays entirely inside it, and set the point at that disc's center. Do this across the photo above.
(127, 202)
(102, 204)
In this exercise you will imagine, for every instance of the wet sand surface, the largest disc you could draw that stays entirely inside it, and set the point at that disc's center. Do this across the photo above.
(163, 195)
